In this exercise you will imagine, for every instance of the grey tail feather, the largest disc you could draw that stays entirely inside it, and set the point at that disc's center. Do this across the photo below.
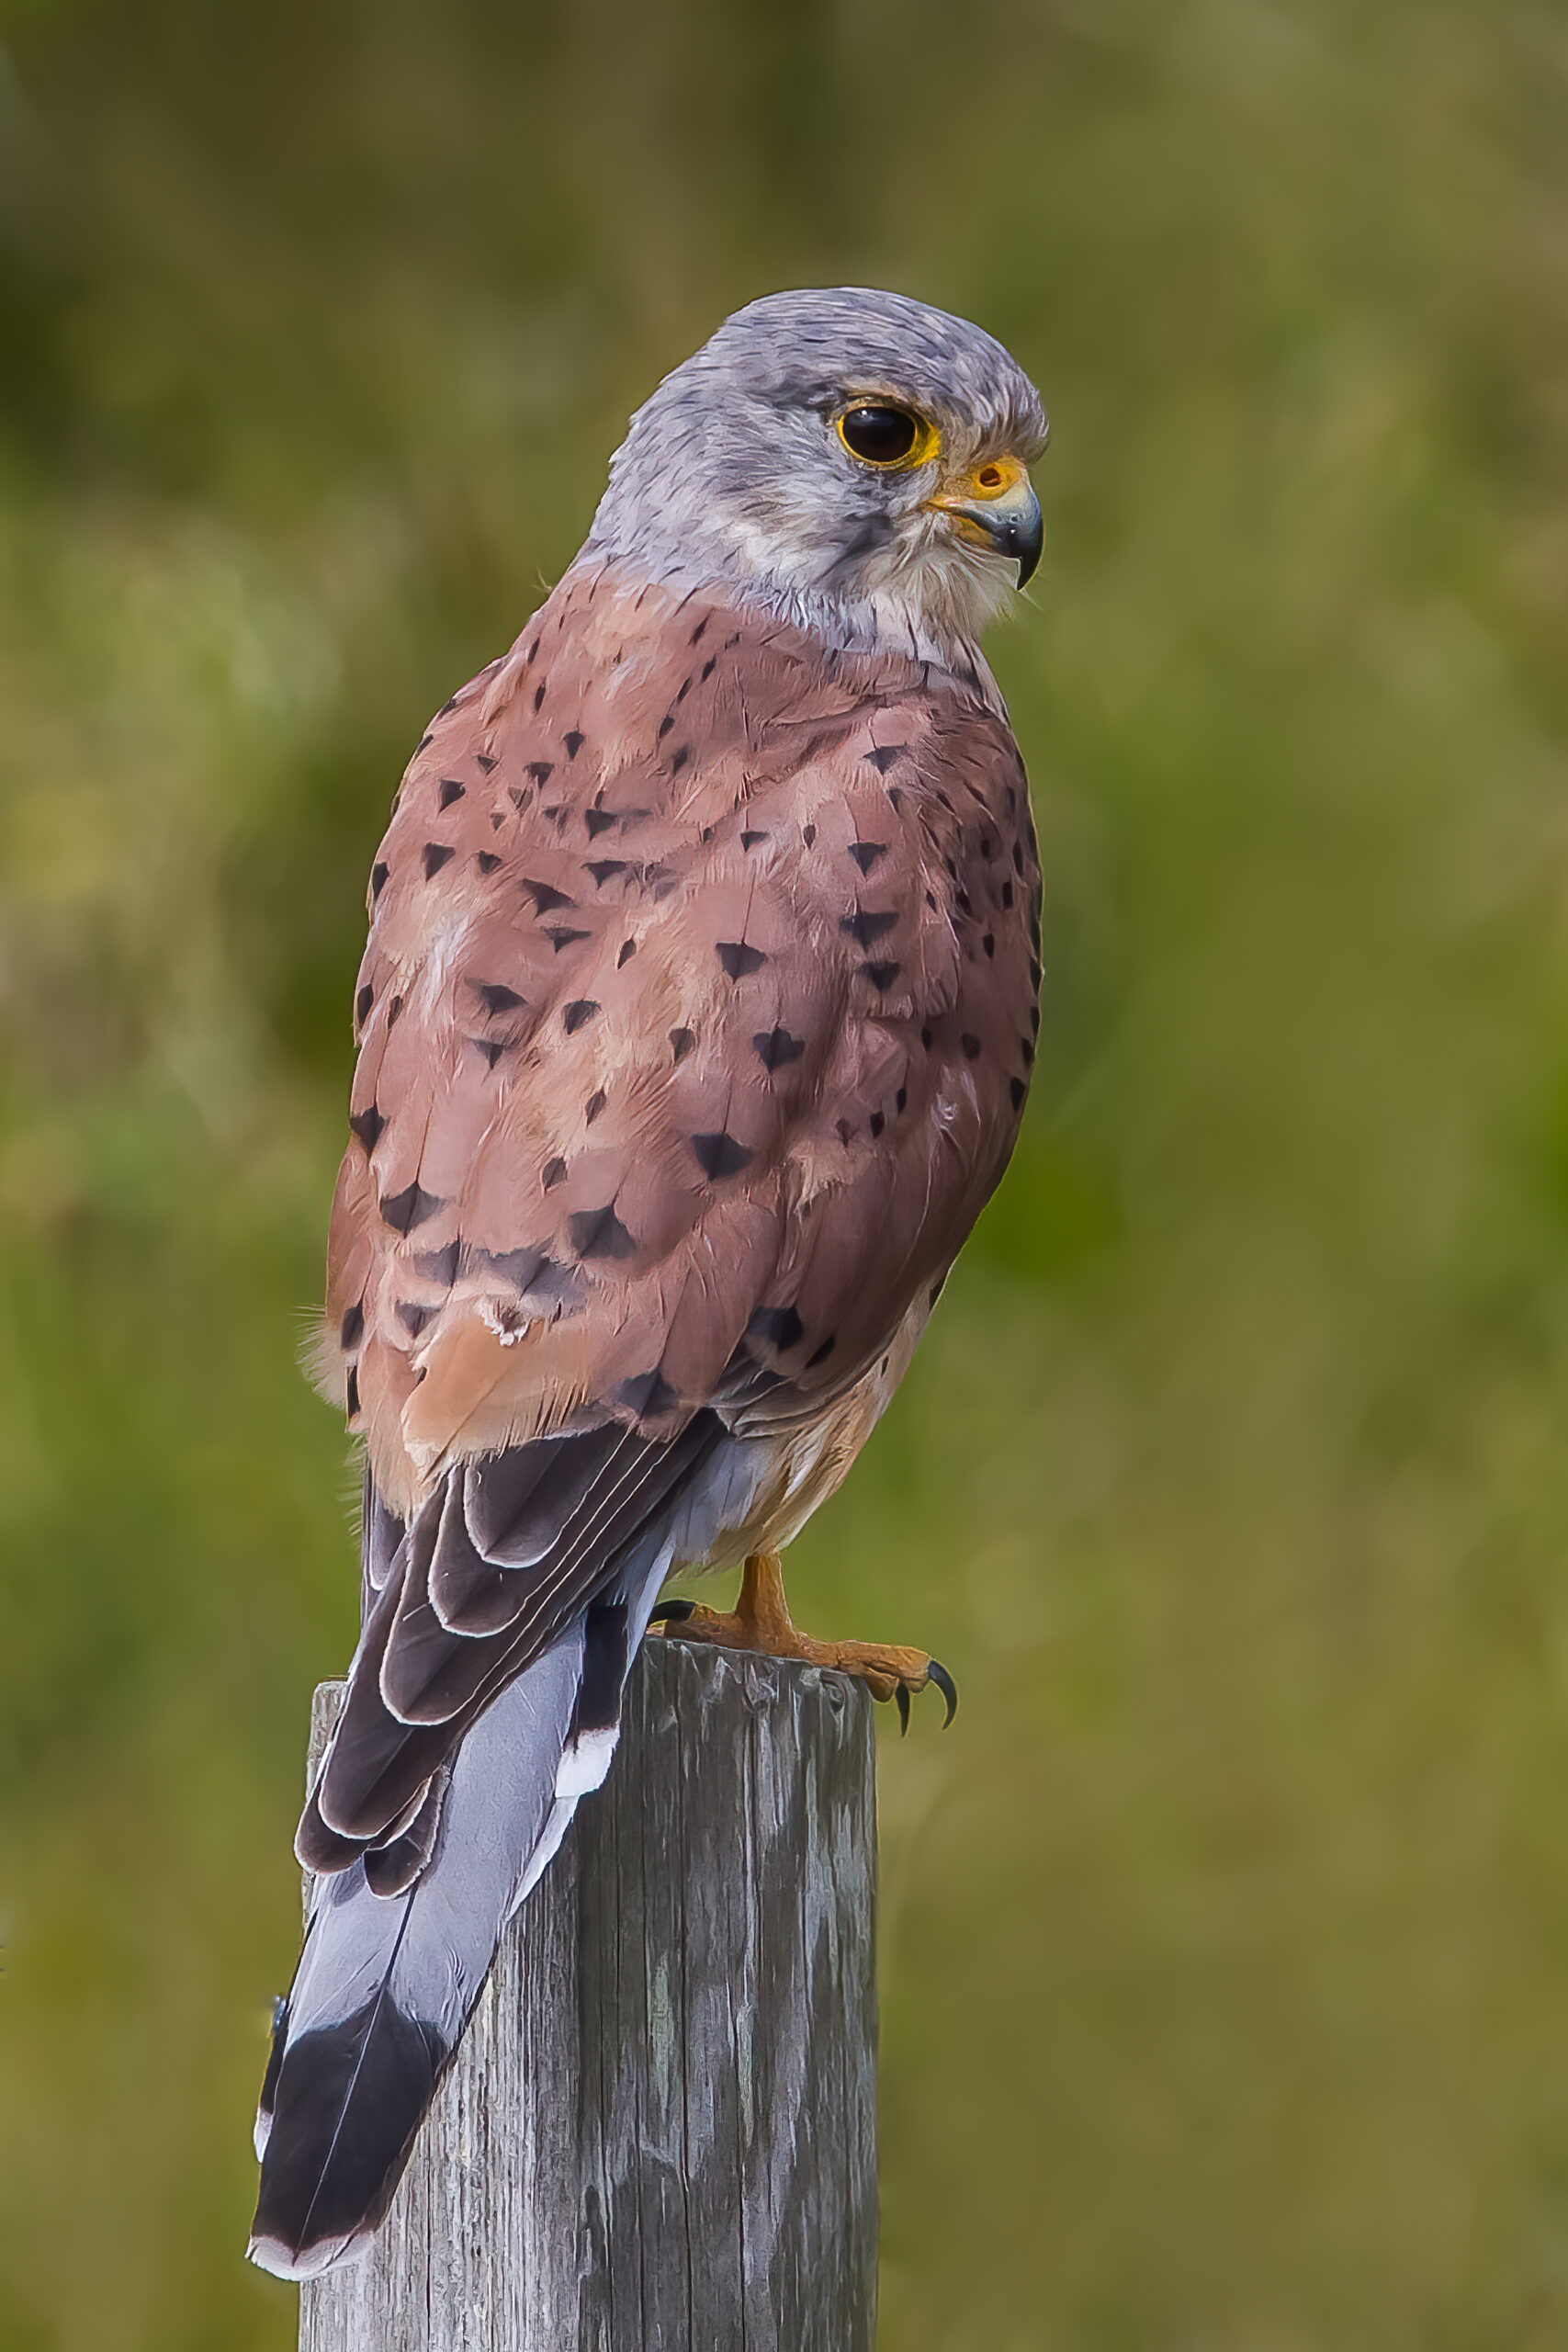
(386, 1981)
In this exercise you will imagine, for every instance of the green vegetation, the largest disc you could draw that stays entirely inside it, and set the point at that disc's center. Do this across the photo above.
(1227, 1935)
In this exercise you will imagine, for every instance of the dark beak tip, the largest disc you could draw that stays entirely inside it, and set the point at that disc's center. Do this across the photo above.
(1028, 545)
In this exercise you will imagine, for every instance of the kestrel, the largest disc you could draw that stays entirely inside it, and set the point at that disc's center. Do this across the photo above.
(694, 1028)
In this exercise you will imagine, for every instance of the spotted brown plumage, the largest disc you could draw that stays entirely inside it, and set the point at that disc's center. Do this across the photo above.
(793, 1091)
(694, 1027)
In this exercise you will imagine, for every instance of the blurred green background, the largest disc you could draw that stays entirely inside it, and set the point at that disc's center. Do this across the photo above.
(1226, 1952)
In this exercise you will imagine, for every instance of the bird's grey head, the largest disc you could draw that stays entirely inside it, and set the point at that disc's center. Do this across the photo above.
(854, 462)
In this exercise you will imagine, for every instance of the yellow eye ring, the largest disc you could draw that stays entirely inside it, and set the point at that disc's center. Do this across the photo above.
(882, 435)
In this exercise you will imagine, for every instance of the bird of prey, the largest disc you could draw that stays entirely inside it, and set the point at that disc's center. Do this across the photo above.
(694, 1028)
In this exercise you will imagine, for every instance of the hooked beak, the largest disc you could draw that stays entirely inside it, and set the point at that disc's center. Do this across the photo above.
(995, 507)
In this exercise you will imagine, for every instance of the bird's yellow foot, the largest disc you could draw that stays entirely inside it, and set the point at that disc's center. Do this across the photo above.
(761, 1622)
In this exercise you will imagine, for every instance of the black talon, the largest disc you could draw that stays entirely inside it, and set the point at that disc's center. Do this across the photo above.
(936, 1672)
(672, 1611)
(902, 1694)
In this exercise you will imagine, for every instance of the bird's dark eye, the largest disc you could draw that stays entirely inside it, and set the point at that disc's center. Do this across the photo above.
(881, 435)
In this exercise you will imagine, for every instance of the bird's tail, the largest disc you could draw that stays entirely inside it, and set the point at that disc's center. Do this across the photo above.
(386, 1982)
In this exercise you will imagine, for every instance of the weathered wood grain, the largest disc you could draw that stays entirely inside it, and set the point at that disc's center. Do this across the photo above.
(659, 2132)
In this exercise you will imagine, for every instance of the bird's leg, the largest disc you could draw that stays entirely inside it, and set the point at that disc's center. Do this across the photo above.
(761, 1622)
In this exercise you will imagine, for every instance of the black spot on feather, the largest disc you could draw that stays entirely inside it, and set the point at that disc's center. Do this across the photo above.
(865, 927)
(561, 937)
(737, 958)
(438, 1265)
(598, 820)
(683, 1041)
(402, 1211)
(351, 1330)
(648, 1395)
(572, 738)
(781, 1326)
(882, 976)
(436, 855)
(362, 1002)
(491, 1048)
(519, 1268)
(450, 790)
(368, 1125)
(581, 1009)
(775, 1048)
(495, 996)
(379, 877)
(488, 861)
(599, 1233)
(865, 853)
(882, 756)
(719, 1155)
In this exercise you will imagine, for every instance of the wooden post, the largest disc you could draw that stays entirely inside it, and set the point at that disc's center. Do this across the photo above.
(659, 2134)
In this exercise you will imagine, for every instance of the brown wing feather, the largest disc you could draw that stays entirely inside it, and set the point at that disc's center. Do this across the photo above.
(700, 981)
